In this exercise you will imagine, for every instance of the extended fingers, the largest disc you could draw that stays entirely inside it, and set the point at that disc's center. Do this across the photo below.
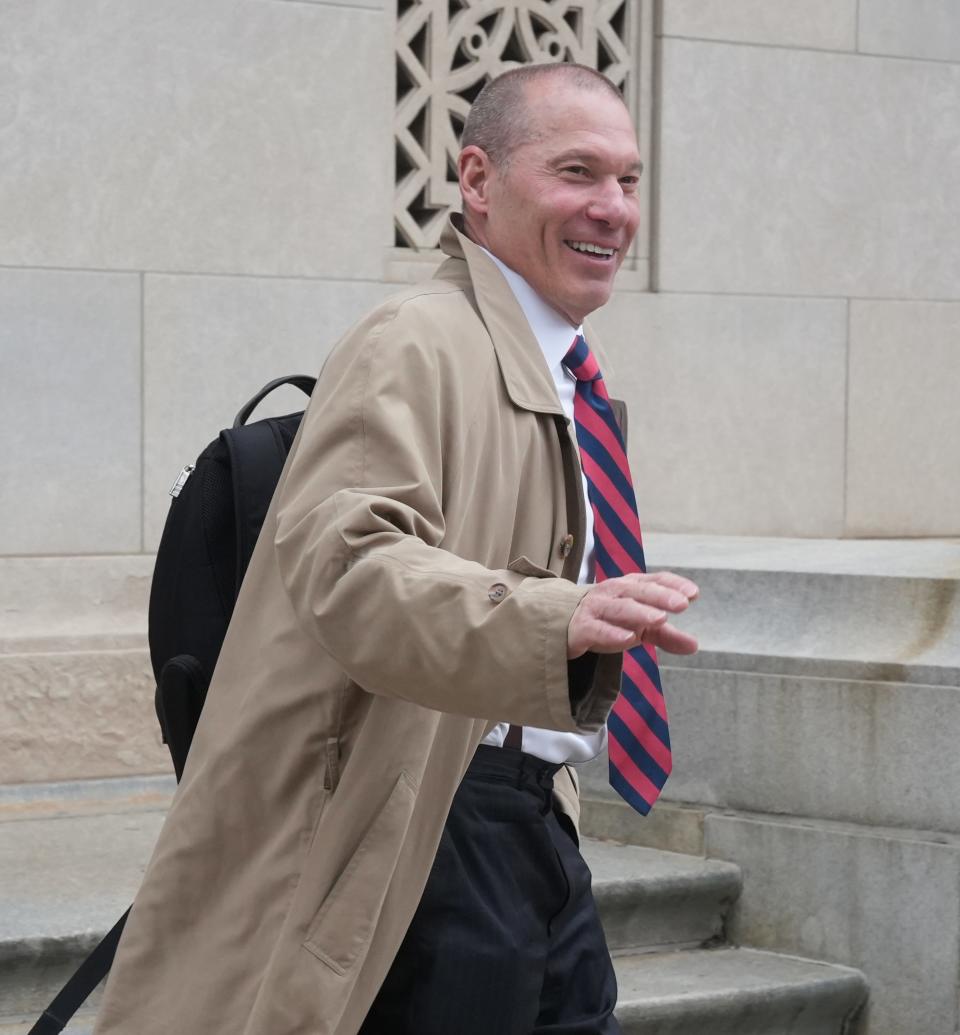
(627, 613)
(678, 582)
(650, 590)
(672, 640)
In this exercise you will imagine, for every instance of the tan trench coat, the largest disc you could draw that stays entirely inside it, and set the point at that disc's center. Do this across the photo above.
(412, 549)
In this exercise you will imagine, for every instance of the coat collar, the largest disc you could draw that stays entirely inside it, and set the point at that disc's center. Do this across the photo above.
(529, 382)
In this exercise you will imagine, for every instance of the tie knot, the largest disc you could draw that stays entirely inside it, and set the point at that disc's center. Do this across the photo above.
(580, 361)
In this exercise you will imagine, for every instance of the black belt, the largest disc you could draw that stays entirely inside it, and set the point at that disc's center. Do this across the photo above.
(518, 767)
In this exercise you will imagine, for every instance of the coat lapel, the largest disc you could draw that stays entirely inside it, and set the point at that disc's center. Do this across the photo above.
(528, 381)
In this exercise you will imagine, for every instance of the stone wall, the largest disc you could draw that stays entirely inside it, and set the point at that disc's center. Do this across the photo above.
(195, 198)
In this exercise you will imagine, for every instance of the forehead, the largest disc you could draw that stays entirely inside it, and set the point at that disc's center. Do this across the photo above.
(561, 116)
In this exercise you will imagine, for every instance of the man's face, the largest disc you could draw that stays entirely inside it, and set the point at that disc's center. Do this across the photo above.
(564, 208)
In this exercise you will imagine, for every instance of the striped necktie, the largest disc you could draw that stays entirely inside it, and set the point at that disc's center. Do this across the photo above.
(638, 740)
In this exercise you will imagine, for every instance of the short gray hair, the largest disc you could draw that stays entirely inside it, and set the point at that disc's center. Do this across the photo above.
(499, 120)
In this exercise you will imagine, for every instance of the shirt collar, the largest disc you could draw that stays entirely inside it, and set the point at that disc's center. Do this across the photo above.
(554, 333)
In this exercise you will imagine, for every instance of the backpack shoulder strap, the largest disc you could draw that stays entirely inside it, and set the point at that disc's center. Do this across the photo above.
(86, 978)
(257, 456)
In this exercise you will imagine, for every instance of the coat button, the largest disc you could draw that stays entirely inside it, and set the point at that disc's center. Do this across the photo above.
(497, 592)
(566, 546)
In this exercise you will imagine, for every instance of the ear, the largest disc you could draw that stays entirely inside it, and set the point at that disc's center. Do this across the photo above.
(475, 171)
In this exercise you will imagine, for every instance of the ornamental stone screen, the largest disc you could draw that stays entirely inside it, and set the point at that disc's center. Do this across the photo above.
(448, 49)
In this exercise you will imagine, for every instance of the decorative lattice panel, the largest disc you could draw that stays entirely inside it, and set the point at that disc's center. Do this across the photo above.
(446, 52)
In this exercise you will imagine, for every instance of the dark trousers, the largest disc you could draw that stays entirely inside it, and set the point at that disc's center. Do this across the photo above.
(506, 939)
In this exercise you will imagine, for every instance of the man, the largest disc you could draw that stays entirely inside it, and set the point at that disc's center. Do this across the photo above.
(402, 606)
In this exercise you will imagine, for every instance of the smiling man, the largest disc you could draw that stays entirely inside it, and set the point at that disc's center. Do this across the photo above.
(376, 828)
(506, 937)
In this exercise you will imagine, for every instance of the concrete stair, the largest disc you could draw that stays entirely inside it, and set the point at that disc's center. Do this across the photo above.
(735, 992)
(664, 916)
(72, 855)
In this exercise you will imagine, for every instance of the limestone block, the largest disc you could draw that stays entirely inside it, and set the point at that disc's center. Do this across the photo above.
(888, 905)
(212, 343)
(872, 752)
(903, 452)
(668, 827)
(914, 559)
(807, 173)
(878, 627)
(226, 136)
(736, 410)
(920, 29)
(824, 24)
(69, 412)
(74, 714)
(44, 598)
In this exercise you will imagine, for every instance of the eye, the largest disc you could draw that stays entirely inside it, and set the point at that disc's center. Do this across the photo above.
(577, 170)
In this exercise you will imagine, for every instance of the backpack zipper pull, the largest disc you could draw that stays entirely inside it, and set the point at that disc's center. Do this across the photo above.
(181, 481)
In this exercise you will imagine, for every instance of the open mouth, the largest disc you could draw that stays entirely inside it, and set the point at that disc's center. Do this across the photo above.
(594, 251)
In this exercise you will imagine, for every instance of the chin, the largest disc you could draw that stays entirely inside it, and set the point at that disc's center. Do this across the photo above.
(592, 304)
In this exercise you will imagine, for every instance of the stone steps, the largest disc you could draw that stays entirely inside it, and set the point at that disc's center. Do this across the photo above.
(72, 856)
(656, 901)
(734, 992)
(82, 1024)
(71, 859)
(664, 916)
(720, 991)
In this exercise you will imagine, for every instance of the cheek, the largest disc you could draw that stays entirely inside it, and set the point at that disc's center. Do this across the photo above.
(634, 223)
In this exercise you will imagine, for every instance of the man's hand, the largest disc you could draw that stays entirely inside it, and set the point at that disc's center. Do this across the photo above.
(620, 613)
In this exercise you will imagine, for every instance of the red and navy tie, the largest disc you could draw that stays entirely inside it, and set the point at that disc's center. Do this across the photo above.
(638, 740)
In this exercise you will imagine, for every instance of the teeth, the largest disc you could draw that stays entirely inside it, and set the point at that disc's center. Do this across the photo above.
(592, 249)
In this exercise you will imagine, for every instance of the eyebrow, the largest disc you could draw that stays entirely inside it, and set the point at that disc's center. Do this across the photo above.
(588, 158)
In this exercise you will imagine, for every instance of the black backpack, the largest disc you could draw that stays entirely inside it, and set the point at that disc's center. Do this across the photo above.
(218, 508)
(217, 511)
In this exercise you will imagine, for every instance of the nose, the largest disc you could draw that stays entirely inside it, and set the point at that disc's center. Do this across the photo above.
(608, 203)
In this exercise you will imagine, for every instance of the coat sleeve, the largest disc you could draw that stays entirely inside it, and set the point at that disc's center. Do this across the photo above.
(360, 532)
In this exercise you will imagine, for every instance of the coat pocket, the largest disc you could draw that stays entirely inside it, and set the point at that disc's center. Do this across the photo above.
(344, 924)
(524, 566)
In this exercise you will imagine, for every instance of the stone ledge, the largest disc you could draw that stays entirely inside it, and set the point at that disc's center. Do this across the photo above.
(847, 669)
(669, 827)
(733, 991)
(651, 900)
(82, 1024)
(111, 796)
(877, 610)
(876, 754)
(903, 558)
(78, 714)
(71, 597)
(885, 901)
(679, 828)
(65, 880)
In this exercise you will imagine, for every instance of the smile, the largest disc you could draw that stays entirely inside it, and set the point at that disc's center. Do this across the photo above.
(586, 248)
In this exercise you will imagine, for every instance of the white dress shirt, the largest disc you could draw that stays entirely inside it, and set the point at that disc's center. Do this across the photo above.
(555, 336)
